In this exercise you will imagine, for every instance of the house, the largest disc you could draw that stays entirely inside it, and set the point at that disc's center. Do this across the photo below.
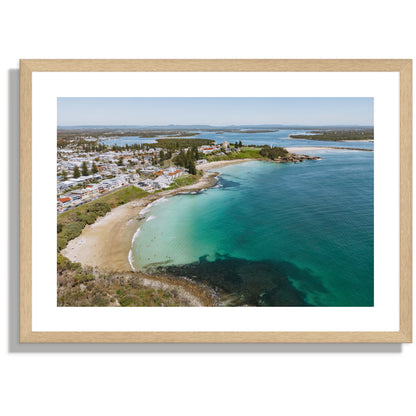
(80, 194)
(92, 190)
(176, 174)
(146, 184)
(65, 201)
(162, 182)
(149, 169)
(208, 150)
(60, 187)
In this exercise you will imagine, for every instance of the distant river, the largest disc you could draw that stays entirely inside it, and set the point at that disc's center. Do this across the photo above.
(122, 141)
(278, 138)
(272, 234)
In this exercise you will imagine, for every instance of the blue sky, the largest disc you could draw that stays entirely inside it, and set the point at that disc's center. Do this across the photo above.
(214, 111)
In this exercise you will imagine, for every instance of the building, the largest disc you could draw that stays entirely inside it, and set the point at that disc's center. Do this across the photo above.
(65, 202)
(175, 174)
(162, 182)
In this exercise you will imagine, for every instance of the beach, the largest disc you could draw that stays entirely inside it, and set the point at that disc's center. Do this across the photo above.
(213, 165)
(106, 243)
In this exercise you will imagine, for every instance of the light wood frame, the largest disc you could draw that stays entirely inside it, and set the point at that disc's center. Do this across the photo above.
(404, 67)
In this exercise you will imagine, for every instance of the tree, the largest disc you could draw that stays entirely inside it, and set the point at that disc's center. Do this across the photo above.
(240, 144)
(64, 175)
(120, 161)
(191, 167)
(194, 150)
(84, 169)
(76, 172)
(274, 152)
(94, 168)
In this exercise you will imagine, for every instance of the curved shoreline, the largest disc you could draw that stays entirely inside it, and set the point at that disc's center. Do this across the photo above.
(106, 244)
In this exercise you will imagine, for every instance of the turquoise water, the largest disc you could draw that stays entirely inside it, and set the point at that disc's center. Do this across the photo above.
(272, 234)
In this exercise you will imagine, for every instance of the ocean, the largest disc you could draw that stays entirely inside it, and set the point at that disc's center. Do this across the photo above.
(272, 234)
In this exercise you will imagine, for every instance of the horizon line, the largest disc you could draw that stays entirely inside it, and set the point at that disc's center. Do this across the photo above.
(215, 125)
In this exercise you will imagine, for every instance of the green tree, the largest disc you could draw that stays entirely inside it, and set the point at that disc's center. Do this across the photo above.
(120, 161)
(64, 175)
(196, 154)
(191, 167)
(240, 144)
(77, 174)
(94, 168)
(84, 169)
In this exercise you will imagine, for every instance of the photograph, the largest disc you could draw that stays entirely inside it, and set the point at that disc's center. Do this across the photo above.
(215, 201)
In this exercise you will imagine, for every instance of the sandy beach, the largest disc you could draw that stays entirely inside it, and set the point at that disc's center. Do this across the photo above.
(212, 165)
(106, 243)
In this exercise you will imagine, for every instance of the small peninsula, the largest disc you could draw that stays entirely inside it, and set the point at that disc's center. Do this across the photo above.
(340, 135)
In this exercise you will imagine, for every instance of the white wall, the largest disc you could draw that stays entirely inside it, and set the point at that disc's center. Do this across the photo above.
(191, 380)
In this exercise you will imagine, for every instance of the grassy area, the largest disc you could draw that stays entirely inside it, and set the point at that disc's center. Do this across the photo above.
(71, 223)
(186, 180)
(245, 153)
(123, 196)
(113, 200)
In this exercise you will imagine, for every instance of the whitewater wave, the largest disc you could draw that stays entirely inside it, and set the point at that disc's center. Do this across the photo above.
(148, 207)
(136, 234)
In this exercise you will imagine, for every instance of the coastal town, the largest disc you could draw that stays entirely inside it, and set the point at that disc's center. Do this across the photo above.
(87, 168)
(83, 176)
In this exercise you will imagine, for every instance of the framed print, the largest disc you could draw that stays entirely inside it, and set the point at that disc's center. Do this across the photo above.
(215, 201)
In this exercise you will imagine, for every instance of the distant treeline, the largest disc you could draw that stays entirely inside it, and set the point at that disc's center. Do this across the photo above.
(97, 133)
(168, 144)
(174, 144)
(337, 135)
